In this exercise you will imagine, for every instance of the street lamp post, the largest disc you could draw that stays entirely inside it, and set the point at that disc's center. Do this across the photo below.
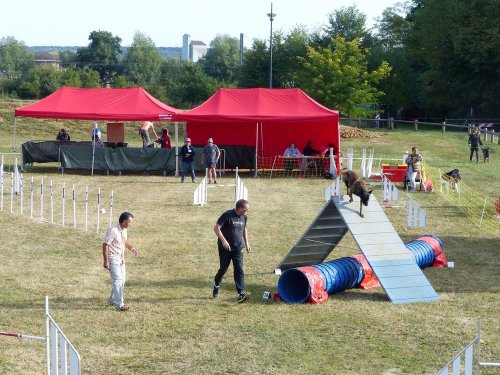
(271, 17)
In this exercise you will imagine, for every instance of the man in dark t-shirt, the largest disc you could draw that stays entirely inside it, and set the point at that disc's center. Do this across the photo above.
(231, 231)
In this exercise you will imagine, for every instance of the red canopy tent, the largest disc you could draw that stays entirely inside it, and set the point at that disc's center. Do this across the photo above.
(127, 104)
(269, 119)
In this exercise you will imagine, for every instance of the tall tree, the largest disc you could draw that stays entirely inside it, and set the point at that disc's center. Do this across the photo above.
(222, 59)
(348, 23)
(142, 62)
(15, 60)
(286, 50)
(389, 44)
(194, 86)
(338, 77)
(455, 45)
(255, 69)
(101, 55)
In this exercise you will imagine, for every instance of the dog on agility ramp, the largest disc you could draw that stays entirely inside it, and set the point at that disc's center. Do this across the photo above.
(355, 185)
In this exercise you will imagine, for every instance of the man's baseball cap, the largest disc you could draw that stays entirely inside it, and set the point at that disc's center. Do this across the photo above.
(188, 139)
(210, 140)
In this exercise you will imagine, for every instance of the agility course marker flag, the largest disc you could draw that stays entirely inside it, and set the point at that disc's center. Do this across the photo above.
(98, 208)
(12, 193)
(21, 194)
(74, 206)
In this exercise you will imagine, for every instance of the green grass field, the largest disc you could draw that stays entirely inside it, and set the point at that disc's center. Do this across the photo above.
(175, 327)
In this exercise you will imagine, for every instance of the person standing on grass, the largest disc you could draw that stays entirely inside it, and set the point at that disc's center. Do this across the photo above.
(187, 159)
(211, 155)
(474, 143)
(113, 253)
(232, 237)
(414, 162)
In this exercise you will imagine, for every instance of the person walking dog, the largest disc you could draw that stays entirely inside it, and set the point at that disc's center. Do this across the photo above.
(113, 254)
(474, 143)
(232, 237)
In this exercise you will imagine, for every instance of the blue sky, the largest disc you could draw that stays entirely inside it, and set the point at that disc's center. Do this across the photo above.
(63, 22)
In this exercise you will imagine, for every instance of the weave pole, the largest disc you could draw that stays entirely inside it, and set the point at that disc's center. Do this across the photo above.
(86, 207)
(98, 208)
(111, 209)
(41, 200)
(1, 185)
(21, 184)
(32, 187)
(63, 196)
(51, 203)
(74, 206)
(12, 193)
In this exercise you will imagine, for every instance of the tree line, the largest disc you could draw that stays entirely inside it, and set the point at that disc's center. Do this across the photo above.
(422, 59)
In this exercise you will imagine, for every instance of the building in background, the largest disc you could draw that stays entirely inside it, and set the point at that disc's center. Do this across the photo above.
(192, 50)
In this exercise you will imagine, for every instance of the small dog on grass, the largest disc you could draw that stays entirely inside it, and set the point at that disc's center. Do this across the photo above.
(486, 154)
(356, 185)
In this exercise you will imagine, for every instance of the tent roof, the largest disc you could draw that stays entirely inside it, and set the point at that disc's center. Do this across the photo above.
(259, 104)
(127, 104)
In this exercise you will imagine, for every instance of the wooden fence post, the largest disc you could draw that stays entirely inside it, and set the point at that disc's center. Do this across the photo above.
(444, 126)
(416, 124)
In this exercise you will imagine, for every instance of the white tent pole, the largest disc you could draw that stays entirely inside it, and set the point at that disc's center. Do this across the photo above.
(256, 146)
(15, 130)
(176, 149)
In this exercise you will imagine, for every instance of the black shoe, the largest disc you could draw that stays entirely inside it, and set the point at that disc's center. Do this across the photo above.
(242, 297)
(215, 292)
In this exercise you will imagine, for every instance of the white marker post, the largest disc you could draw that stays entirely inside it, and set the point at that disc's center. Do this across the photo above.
(111, 209)
(63, 196)
(86, 207)
(21, 184)
(74, 207)
(51, 203)
(98, 208)
(12, 193)
(32, 187)
(1, 186)
(41, 200)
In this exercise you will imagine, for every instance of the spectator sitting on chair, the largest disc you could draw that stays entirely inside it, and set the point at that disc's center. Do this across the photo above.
(309, 149)
(62, 136)
(144, 132)
(414, 162)
(292, 151)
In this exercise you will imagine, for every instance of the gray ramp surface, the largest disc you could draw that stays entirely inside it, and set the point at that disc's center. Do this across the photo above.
(401, 278)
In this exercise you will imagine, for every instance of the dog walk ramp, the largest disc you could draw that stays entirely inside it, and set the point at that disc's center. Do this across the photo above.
(318, 241)
(399, 275)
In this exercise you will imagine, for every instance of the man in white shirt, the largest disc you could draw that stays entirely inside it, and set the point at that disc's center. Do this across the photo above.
(113, 253)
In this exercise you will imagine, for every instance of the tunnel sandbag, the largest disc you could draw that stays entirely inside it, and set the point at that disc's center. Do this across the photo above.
(369, 279)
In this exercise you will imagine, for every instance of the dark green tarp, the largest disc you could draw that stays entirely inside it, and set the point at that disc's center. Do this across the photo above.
(118, 159)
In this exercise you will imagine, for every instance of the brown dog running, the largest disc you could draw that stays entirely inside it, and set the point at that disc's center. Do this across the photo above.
(356, 185)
